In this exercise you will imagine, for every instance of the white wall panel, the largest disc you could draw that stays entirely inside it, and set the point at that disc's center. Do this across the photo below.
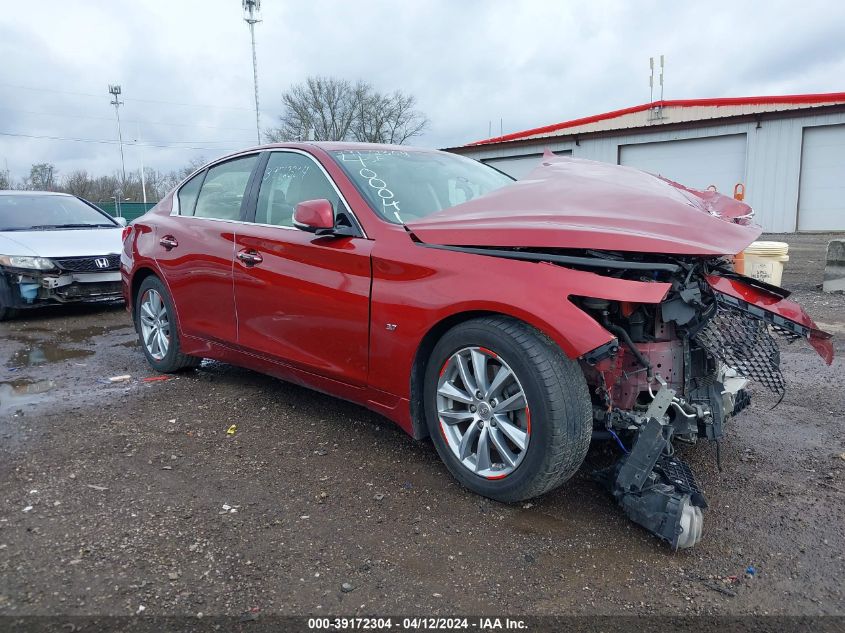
(518, 166)
(821, 197)
(772, 165)
(699, 163)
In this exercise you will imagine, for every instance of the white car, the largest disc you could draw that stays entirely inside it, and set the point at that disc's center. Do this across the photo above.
(56, 248)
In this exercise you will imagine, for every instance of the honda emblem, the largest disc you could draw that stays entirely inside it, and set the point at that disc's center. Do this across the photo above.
(101, 262)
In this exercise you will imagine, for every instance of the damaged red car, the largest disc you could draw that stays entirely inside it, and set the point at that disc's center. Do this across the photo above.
(512, 322)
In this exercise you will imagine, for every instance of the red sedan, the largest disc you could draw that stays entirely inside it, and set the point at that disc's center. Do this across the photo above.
(511, 322)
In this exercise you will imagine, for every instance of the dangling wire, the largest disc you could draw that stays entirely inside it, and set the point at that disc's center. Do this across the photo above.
(618, 441)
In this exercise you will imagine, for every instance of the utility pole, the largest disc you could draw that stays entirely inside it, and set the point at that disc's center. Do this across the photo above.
(251, 9)
(143, 177)
(114, 91)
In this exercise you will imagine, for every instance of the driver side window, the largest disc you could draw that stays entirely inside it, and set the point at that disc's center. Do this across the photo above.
(289, 179)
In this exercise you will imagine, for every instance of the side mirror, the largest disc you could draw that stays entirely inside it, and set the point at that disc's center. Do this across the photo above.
(121, 221)
(314, 215)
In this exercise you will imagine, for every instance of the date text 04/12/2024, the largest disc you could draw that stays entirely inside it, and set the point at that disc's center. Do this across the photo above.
(417, 624)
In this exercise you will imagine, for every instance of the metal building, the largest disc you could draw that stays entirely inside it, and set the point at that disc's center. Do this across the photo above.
(787, 152)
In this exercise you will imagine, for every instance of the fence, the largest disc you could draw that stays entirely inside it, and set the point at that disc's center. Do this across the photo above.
(129, 210)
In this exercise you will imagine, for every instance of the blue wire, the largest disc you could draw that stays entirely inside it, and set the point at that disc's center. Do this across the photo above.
(618, 441)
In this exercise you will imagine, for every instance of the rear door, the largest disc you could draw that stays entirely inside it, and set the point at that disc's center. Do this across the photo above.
(301, 298)
(196, 247)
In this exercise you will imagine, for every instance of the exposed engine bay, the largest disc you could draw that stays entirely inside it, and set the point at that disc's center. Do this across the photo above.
(672, 369)
(676, 373)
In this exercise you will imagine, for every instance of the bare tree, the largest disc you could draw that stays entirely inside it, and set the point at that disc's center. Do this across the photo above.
(388, 118)
(104, 187)
(158, 183)
(329, 109)
(187, 170)
(321, 109)
(42, 177)
(78, 183)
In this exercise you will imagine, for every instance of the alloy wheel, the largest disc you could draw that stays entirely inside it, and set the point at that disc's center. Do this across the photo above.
(483, 412)
(155, 324)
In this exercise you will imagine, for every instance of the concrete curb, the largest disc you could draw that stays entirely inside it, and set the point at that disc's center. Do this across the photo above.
(834, 270)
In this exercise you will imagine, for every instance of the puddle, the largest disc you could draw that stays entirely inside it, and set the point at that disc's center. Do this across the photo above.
(76, 335)
(42, 354)
(16, 394)
(83, 334)
(31, 328)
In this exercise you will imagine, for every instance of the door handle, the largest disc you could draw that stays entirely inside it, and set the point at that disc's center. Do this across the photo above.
(250, 258)
(168, 241)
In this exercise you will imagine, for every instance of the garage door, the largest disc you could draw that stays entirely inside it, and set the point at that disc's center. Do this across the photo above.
(697, 163)
(821, 194)
(519, 166)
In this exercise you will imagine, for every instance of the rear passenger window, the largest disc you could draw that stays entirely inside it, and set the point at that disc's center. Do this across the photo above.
(188, 194)
(224, 188)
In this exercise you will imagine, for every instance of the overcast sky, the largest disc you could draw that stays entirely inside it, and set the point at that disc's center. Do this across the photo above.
(186, 73)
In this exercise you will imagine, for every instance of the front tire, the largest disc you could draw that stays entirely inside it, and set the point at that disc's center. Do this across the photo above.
(508, 412)
(158, 329)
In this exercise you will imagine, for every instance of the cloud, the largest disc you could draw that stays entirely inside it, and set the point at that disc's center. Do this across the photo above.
(185, 67)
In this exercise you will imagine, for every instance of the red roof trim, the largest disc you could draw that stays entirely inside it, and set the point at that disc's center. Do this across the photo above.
(684, 103)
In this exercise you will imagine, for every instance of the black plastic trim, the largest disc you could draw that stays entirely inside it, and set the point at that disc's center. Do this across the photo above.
(601, 352)
(571, 260)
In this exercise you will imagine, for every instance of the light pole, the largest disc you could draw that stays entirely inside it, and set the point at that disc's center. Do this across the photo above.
(251, 9)
(116, 198)
(143, 177)
(114, 91)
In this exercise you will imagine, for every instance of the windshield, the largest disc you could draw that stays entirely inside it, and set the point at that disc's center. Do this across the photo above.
(403, 186)
(21, 212)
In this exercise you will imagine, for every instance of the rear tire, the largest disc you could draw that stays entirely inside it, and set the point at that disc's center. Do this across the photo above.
(158, 329)
(538, 439)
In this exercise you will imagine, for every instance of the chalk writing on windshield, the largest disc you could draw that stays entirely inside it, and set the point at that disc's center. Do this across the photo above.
(388, 198)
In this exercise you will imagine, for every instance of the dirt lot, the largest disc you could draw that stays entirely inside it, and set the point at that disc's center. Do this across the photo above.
(118, 496)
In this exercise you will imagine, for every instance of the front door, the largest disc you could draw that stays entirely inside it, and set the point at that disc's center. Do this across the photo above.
(301, 298)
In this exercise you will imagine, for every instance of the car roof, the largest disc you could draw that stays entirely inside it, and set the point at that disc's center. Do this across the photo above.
(328, 146)
(23, 192)
(340, 145)
(337, 145)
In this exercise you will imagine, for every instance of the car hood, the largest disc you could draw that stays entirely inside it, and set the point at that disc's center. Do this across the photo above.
(575, 203)
(59, 243)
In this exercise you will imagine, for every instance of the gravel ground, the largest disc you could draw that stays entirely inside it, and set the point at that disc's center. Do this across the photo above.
(115, 497)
